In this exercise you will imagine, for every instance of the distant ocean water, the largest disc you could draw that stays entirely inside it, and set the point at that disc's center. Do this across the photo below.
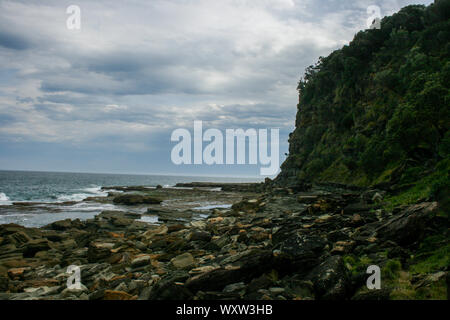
(58, 187)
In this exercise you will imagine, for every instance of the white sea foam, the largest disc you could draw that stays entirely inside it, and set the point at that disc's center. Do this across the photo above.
(88, 207)
(73, 197)
(4, 199)
(213, 206)
(149, 219)
(86, 192)
(96, 191)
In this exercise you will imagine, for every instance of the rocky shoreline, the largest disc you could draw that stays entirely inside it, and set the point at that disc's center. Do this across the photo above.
(298, 243)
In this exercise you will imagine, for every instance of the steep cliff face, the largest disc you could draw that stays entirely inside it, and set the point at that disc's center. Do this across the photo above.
(377, 111)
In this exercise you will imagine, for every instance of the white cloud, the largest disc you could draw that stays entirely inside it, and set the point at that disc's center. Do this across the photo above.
(144, 66)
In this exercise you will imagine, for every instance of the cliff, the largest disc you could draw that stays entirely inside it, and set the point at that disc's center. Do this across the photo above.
(376, 112)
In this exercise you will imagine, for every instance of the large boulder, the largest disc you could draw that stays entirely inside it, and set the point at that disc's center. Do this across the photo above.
(248, 266)
(297, 252)
(183, 261)
(197, 235)
(141, 261)
(36, 245)
(98, 251)
(331, 279)
(409, 225)
(171, 288)
(65, 225)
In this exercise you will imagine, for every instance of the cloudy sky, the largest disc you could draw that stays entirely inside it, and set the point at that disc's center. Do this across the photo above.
(106, 97)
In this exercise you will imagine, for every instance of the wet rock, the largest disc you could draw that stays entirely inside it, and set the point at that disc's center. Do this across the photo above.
(99, 251)
(10, 252)
(170, 291)
(262, 282)
(199, 236)
(278, 245)
(356, 208)
(34, 246)
(64, 225)
(175, 227)
(409, 225)
(140, 261)
(308, 199)
(66, 293)
(183, 261)
(246, 267)
(97, 294)
(202, 269)
(171, 288)
(250, 205)
(134, 199)
(17, 273)
(330, 279)
(173, 216)
(117, 295)
(43, 291)
(156, 231)
(235, 287)
(113, 214)
(298, 252)
(377, 295)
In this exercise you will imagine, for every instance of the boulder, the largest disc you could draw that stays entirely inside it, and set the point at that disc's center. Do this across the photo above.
(60, 225)
(170, 290)
(33, 246)
(331, 279)
(183, 261)
(99, 251)
(140, 261)
(409, 225)
(298, 252)
(157, 231)
(246, 267)
(248, 205)
(117, 295)
(199, 236)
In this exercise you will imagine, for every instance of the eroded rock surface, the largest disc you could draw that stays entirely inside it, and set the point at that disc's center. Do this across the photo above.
(304, 243)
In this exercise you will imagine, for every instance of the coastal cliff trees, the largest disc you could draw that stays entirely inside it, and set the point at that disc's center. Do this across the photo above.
(377, 111)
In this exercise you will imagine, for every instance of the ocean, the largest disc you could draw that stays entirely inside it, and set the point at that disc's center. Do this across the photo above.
(54, 188)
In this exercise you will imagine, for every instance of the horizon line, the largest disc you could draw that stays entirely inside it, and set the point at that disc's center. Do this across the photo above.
(139, 174)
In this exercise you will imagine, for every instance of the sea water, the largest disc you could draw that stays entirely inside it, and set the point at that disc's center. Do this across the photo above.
(51, 189)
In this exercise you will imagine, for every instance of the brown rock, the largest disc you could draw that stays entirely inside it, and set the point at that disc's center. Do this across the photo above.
(17, 273)
(118, 295)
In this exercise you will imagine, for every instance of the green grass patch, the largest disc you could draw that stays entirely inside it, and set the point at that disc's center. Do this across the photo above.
(424, 189)
(357, 264)
(391, 270)
(433, 255)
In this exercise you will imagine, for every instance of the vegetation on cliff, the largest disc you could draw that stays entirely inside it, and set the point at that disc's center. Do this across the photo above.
(376, 112)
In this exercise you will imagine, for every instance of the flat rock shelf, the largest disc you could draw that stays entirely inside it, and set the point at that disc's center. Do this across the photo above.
(304, 242)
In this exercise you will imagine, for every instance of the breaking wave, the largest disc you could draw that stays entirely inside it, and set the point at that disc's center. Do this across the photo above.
(4, 199)
(85, 193)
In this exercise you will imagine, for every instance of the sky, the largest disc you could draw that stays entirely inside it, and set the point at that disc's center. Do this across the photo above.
(106, 97)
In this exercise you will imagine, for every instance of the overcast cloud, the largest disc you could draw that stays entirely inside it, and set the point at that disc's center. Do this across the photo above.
(107, 97)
